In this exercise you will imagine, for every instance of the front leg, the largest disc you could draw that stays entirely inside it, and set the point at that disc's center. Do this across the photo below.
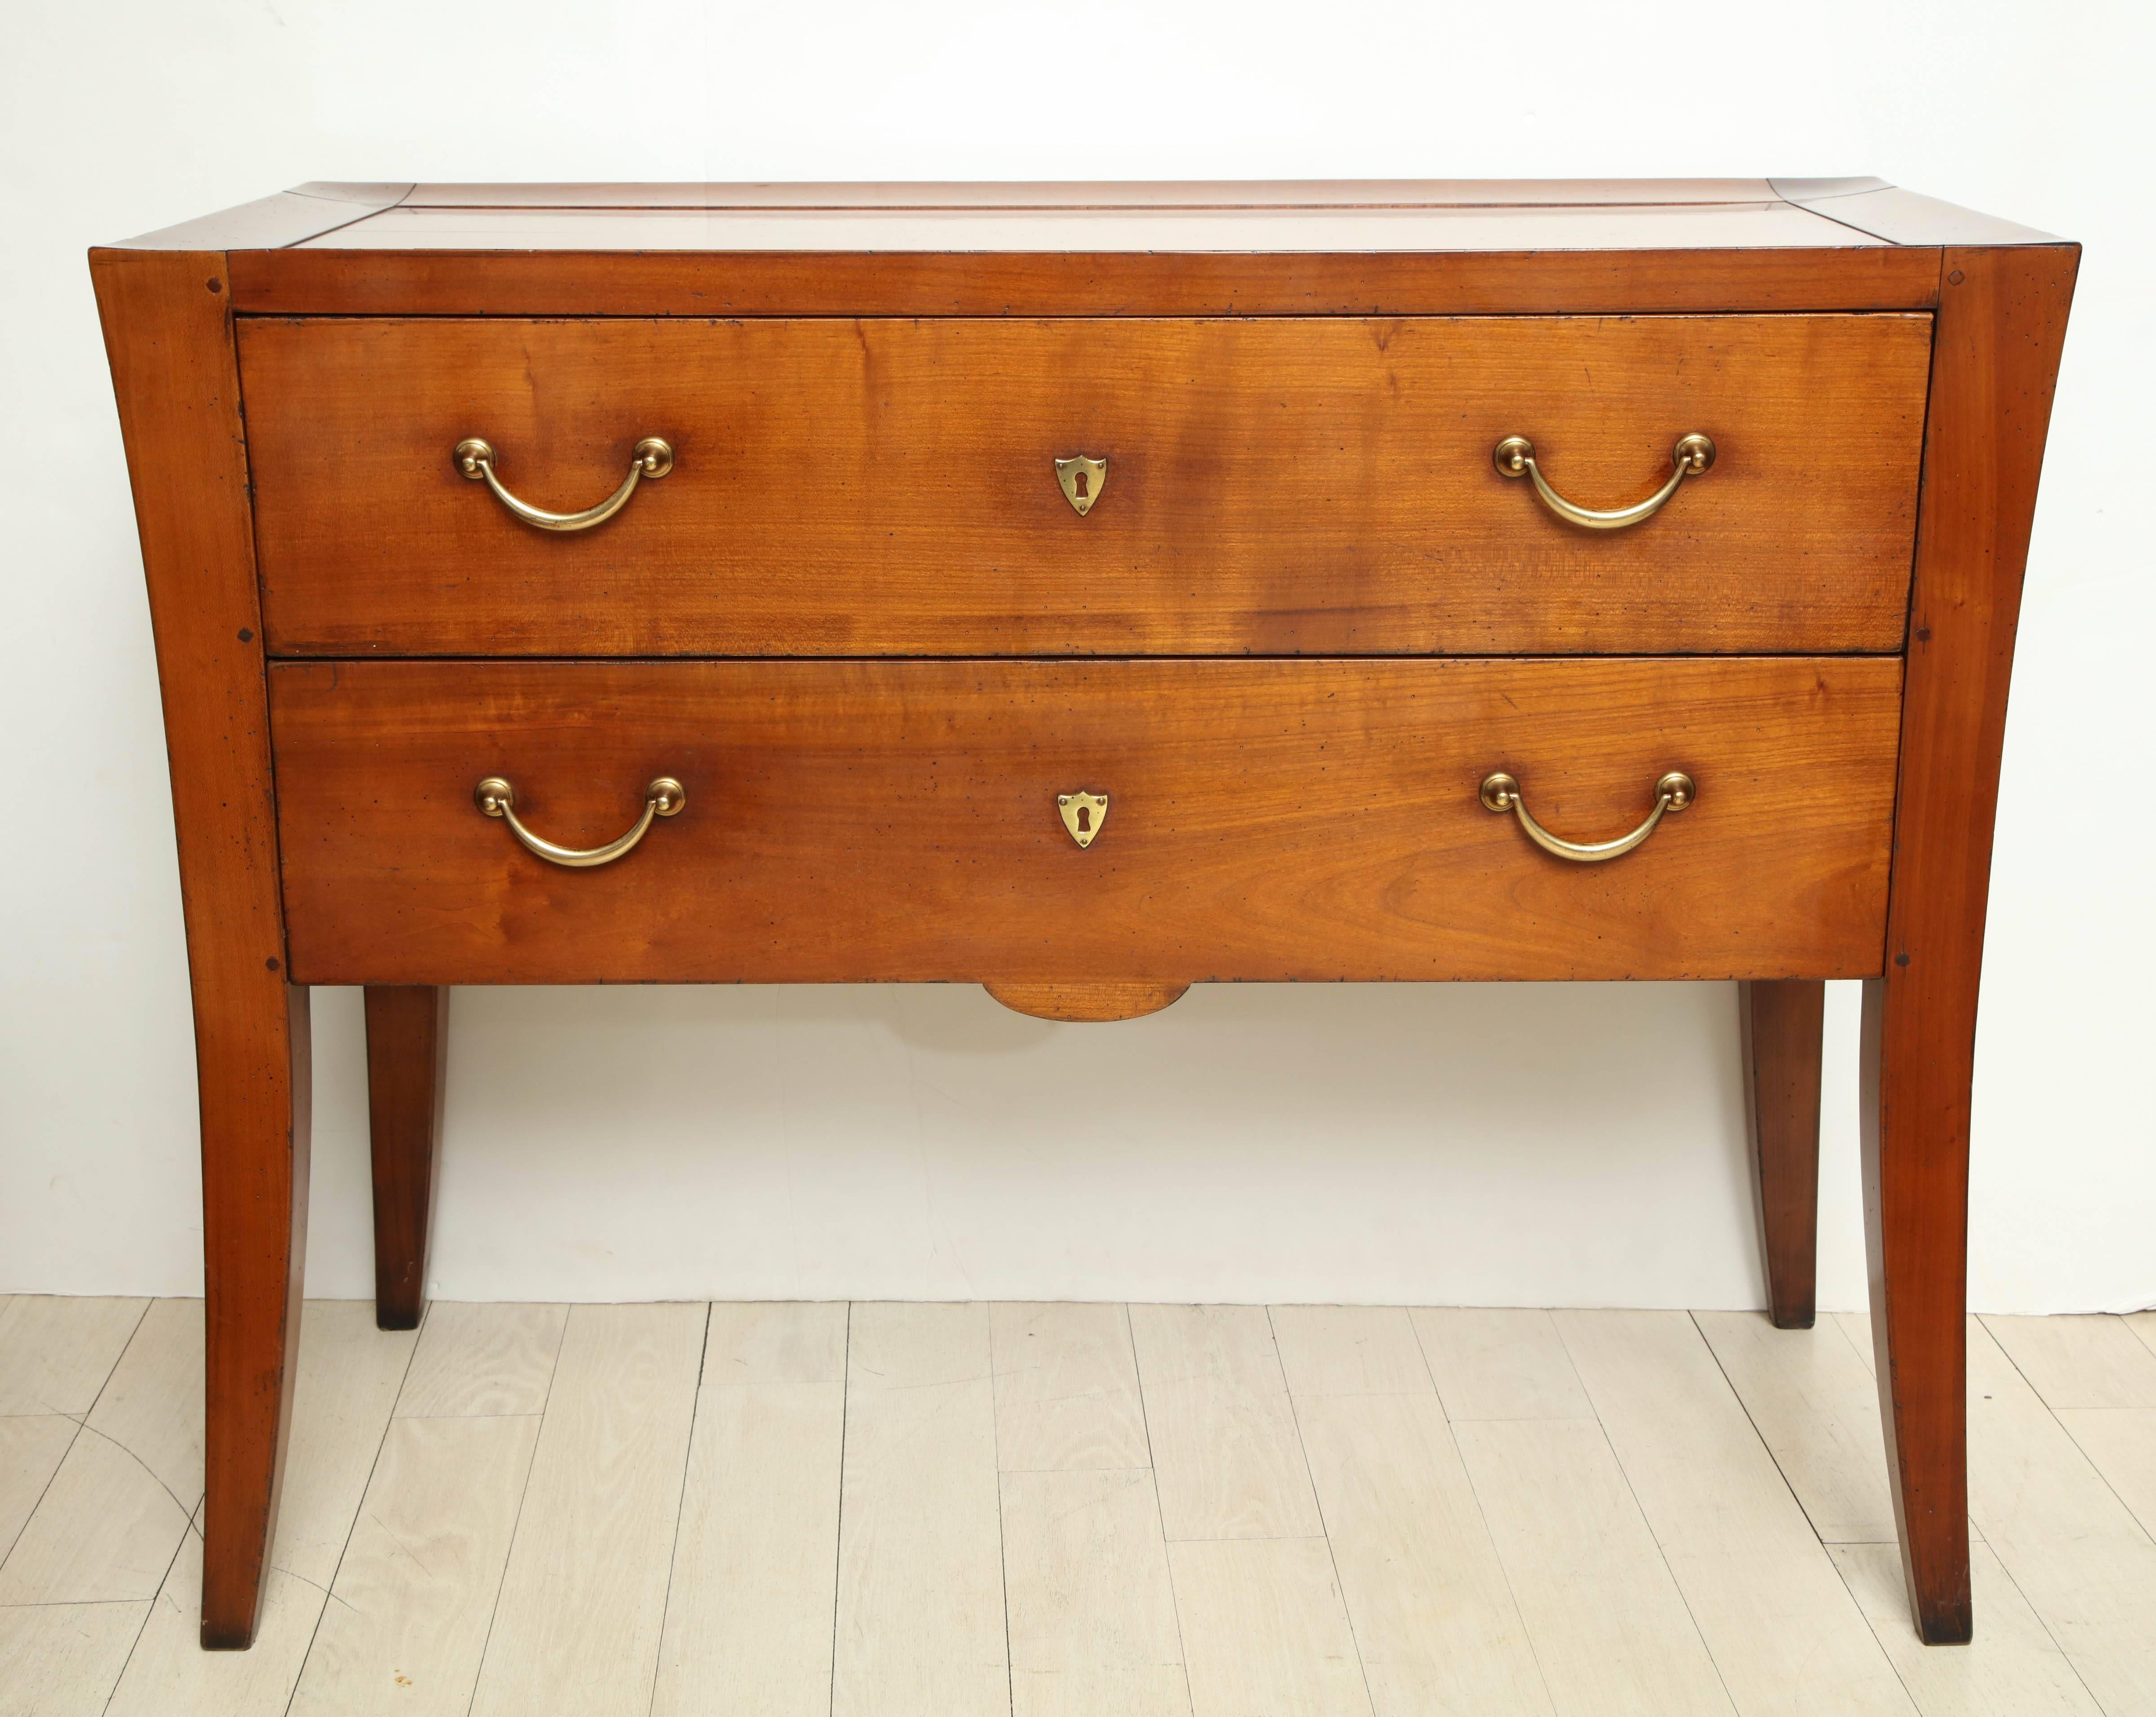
(1914, 1117)
(253, 1067)
(407, 1033)
(167, 319)
(2001, 317)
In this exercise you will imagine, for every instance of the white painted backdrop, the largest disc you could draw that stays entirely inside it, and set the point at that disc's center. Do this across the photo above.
(1530, 1145)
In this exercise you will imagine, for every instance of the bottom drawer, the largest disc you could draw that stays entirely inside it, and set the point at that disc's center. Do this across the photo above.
(1266, 820)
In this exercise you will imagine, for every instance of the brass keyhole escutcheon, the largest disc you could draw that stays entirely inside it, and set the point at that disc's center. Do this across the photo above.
(1083, 814)
(1081, 481)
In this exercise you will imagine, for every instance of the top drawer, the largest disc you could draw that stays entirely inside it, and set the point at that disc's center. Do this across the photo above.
(890, 487)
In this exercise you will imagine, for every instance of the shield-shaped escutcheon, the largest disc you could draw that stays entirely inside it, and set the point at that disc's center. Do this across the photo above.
(1083, 814)
(1082, 480)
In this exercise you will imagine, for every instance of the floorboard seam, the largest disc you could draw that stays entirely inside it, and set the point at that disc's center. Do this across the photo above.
(150, 1610)
(1152, 1474)
(1310, 1477)
(2066, 1431)
(1908, 1692)
(531, 1466)
(44, 1491)
(359, 1508)
(1482, 1514)
(838, 1537)
(81, 1424)
(1737, 1395)
(1999, 1551)
(1647, 1520)
(681, 1502)
(1002, 1549)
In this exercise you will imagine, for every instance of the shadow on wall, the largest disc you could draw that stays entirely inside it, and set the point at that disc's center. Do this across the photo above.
(1451, 1144)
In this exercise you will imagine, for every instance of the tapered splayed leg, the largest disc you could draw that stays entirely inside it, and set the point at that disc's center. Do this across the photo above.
(1783, 1024)
(406, 1036)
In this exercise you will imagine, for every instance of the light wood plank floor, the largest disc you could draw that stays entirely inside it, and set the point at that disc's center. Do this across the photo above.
(1070, 1511)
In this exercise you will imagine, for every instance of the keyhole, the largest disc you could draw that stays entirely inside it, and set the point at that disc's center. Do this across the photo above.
(1085, 811)
(1080, 485)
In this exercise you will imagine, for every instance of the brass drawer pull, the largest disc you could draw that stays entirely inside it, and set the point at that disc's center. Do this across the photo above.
(1501, 794)
(662, 798)
(1515, 457)
(653, 458)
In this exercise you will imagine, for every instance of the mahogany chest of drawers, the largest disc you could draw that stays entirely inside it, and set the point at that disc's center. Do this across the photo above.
(1085, 591)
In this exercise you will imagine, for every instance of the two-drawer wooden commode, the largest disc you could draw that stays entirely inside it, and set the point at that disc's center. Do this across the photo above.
(1085, 591)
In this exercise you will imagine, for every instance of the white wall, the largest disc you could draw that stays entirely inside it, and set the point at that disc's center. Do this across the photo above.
(1520, 1145)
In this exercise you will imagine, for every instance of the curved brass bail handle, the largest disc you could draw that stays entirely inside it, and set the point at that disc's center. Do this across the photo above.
(1501, 794)
(662, 798)
(652, 458)
(1515, 457)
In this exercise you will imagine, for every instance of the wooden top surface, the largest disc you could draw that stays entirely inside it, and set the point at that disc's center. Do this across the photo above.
(1291, 217)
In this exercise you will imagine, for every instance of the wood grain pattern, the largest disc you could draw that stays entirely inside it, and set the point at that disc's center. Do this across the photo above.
(1814, 1404)
(167, 321)
(415, 1588)
(1287, 486)
(104, 1532)
(920, 1621)
(408, 1030)
(2079, 1362)
(859, 821)
(1782, 1026)
(152, 1404)
(1435, 1624)
(2012, 1668)
(584, 1600)
(1347, 1350)
(1080, 1003)
(32, 1445)
(169, 1674)
(1610, 1627)
(56, 1351)
(65, 1657)
(2120, 1444)
(480, 1360)
(2002, 320)
(106, 1528)
(1499, 1364)
(350, 1376)
(2065, 1536)
(750, 1599)
(1785, 1634)
(1091, 1612)
(599, 282)
(1066, 1382)
(349, 1372)
(1227, 1458)
(2144, 1326)
(1298, 427)
(1264, 1629)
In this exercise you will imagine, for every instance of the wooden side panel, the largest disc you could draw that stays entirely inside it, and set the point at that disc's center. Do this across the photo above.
(2002, 320)
(1310, 820)
(1277, 487)
(632, 282)
(169, 333)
